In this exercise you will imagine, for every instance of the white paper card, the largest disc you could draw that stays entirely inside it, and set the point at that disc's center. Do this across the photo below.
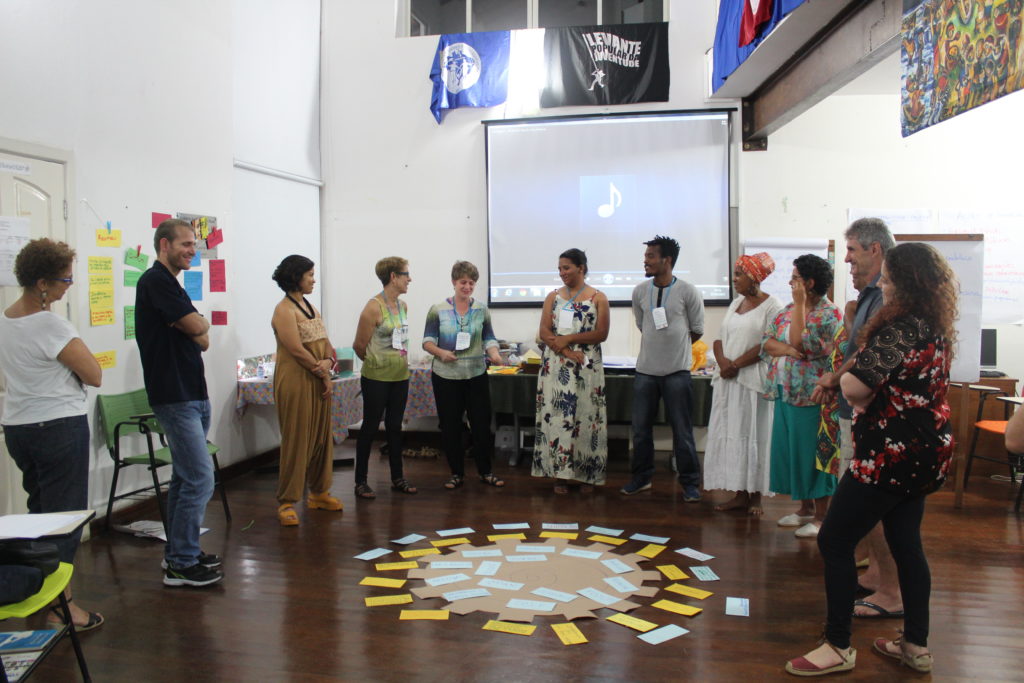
(498, 583)
(372, 554)
(411, 538)
(617, 566)
(486, 552)
(551, 526)
(451, 564)
(587, 554)
(516, 525)
(598, 596)
(650, 539)
(695, 554)
(737, 607)
(526, 558)
(488, 568)
(455, 532)
(534, 548)
(604, 530)
(462, 341)
(532, 605)
(620, 584)
(704, 573)
(660, 635)
(446, 579)
(660, 318)
(397, 338)
(465, 594)
(565, 316)
(554, 595)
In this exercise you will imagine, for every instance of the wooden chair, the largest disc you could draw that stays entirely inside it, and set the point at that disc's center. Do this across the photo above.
(53, 587)
(998, 427)
(130, 413)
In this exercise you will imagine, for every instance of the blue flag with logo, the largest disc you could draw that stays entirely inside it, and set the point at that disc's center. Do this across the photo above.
(470, 70)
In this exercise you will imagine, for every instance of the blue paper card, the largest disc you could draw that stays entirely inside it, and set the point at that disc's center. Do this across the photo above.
(194, 285)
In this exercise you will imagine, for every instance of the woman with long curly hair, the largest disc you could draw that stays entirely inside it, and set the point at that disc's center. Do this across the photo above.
(903, 445)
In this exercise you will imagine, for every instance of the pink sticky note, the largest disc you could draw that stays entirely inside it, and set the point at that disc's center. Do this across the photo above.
(159, 218)
(215, 237)
(219, 317)
(218, 280)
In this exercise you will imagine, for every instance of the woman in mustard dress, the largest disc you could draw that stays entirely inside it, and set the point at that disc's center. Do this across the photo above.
(302, 393)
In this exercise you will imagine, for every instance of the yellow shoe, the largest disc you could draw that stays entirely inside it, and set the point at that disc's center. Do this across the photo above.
(286, 515)
(323, 501)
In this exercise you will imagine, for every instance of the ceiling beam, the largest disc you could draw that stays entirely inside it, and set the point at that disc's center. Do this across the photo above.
(863, 34)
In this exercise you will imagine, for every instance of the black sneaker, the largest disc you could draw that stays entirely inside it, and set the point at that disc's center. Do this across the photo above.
(635, 486)
(208, 561)
(197, 576)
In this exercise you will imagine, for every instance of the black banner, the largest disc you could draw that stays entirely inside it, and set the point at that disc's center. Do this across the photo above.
(606, 64)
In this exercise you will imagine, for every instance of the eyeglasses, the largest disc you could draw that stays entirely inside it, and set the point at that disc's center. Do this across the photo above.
(402, 272)
(66, 280)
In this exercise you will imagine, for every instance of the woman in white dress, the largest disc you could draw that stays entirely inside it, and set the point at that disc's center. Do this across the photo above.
(739, 434)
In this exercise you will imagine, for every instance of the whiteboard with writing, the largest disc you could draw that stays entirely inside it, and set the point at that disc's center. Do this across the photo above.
(967, 259)
(1003, 279)
(784, 251)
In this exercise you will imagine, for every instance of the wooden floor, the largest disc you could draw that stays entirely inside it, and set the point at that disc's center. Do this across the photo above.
(290, 608)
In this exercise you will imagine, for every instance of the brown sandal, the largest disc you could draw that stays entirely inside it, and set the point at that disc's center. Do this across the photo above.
(403, 486)
(364, 491)
(491, 480)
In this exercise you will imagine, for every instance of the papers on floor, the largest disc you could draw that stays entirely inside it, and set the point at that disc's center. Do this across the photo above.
(737, 607)
(407, 540)
(455, 532)
(517, 525)
(695, 554)
(660, 635)
(604, 530)
(704, 573)
(373, 554)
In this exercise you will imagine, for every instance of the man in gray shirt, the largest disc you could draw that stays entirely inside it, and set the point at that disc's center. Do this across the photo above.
(670, 316)
(867, 241)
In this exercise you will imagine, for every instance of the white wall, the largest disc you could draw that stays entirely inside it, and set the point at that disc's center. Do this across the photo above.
(397, 183)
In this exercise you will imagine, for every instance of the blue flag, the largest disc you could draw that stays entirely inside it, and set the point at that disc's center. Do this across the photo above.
(469, 70)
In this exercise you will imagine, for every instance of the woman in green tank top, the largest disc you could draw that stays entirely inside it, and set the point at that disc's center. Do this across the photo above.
(382, 343)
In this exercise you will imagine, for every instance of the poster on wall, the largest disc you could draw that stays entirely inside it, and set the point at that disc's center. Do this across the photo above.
(14, 234)
(957, 56)
(1003, 281)
(205, 226)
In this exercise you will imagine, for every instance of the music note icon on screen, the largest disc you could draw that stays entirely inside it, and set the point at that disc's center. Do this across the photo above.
(614, 201)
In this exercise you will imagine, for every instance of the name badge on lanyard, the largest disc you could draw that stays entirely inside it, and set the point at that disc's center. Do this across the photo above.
(398, 337)
(462, 337)
(660, 314)
(565, 316)
(462, 341)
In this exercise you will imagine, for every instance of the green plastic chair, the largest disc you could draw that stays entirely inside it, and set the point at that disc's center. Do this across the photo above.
(130, 413)
(53, 587)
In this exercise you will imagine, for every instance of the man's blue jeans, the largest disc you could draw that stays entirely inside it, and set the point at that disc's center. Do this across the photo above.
(677, 393)
(186, 425)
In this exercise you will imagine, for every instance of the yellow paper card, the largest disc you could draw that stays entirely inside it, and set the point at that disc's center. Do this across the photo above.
(632, 622)
(672, 572)
(108, 238)
(571, 535)
(388, 600)
(688, 591)
(434, 614)
(381, 581)
(509, 627)
(611, 540)
(419, 553)
(101, 264)
(678, 608)
(569, 634)
(101, 316)
(106, 359)
(651, 550)
(390, 566)
(449, 541)
(101, 281)
(498, 537)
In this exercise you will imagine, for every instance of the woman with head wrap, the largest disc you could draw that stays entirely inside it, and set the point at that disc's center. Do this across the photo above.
(739, 434)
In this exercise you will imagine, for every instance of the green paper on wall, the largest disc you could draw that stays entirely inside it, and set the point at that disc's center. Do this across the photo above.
(129, 322)
(136, 259)
(131, 277)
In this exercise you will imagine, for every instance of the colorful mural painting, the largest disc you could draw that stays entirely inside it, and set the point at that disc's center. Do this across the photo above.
(957, 55)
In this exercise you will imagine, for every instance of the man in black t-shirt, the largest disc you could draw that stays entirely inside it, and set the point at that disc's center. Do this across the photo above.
(172, 336)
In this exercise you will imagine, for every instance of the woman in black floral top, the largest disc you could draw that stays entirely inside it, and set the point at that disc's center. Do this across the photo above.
(903, 445)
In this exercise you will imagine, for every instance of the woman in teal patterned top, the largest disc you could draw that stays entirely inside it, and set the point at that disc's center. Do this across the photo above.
(382, 343)
(458, 333)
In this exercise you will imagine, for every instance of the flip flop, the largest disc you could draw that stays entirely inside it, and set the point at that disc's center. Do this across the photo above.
(882, 612)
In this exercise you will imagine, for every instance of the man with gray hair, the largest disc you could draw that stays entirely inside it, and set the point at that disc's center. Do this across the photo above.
(867, 241)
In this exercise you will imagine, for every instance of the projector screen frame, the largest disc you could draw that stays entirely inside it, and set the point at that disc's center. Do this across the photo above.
(732, 240)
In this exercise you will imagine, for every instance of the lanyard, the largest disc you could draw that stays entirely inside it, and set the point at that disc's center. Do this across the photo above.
(568, 304)
(398, 305)
(664, 297)
(463, 321)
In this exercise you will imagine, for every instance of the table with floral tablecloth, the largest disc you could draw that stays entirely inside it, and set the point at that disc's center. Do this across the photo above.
(347, 403)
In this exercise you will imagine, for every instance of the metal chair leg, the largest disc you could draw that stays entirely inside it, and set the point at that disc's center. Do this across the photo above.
(113, 492)
(220, 484)
(970, 457)
(74, 638)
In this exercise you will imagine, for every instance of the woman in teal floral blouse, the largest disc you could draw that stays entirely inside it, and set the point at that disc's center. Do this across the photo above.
(804, 340)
